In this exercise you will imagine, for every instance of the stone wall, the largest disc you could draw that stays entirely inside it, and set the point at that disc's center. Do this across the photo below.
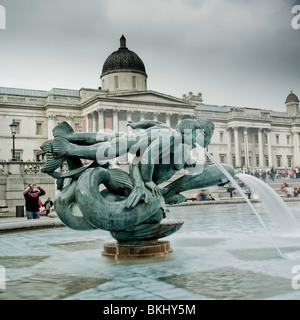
(14, 179)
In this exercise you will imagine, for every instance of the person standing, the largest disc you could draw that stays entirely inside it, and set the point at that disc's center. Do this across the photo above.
(273, 173)
(231, 189)
(263, 175)
(31, 195)
(48, 205)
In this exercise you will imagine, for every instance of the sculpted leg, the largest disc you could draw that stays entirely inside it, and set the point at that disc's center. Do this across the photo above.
(210, 176)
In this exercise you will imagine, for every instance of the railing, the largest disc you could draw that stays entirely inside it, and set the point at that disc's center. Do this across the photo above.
(24, 167)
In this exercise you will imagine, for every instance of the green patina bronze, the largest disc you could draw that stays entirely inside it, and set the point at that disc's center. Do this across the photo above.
(131, 205)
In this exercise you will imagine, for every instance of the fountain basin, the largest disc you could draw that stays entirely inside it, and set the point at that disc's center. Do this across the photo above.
(221, 252)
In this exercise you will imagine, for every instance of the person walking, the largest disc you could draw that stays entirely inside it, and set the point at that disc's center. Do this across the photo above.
(31, 195)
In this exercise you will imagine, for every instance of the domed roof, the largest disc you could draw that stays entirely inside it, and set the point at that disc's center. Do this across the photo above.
(123, 60)
(291, 98)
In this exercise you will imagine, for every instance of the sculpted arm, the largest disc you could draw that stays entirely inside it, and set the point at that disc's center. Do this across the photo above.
(158, 150)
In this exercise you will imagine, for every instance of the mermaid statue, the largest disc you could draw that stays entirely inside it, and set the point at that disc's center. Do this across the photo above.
(93, 194)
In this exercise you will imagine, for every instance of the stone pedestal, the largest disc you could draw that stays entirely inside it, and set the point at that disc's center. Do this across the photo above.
(145, 250)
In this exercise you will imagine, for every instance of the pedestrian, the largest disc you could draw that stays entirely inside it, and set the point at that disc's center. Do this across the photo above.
(211, 196)
(283, 186)
(31, 195)
(42, 209)
(48, 205)
(202, 196)
(264, 175)
(273, 173)
(230, 189)
(289, 192)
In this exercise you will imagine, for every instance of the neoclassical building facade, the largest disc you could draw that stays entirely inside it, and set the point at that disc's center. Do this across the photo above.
(244, 137)
(255, 138)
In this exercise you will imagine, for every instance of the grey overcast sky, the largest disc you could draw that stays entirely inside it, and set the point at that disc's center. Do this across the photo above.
(235, 52)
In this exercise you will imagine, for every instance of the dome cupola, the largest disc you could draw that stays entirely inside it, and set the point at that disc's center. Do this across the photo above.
(292, 105)
(292, 98)
(123, 60)
(124, 70)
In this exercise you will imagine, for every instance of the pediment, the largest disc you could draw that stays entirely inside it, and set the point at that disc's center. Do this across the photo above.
(151, 97)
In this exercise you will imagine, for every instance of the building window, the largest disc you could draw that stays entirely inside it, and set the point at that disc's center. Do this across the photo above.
(266, 161)
(288, 139)
(289, 161)
(222, 158)
(277, 138)
(77, 127)
(257, 161)
(256, 138)
(221, 136)
(116, 82)
(233, 161)
(207, 159)
(38, 155)
(39, 128)
(134, 82)
(278, 161)
(18, 154)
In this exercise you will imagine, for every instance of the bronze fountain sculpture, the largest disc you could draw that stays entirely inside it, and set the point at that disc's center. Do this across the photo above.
(131, 206)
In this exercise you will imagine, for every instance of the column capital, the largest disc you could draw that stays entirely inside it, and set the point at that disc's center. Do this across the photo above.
(295, 131)
(69, 116)
(51, 116)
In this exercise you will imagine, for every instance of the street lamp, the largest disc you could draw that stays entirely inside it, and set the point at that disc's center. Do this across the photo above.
(13, 128)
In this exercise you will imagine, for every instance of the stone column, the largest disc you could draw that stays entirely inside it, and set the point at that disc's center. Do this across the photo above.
(246, 147)
(260, 148)
(155, 116)
(296, 148)
(100, 120)
(269, 147)
(95, 122)
(129, 119)
(51, 124)
(115, 121)
(229, 151)
(88, 122)
(142, 115)
(168, 119)
(236, 147)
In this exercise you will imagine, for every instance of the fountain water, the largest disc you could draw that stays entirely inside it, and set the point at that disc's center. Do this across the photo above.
(277, 209)
(232, 180)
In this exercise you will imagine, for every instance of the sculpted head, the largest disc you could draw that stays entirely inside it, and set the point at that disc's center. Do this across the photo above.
(197, 127)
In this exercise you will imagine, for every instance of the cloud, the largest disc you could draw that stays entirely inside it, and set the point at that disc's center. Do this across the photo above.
(236, 52)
